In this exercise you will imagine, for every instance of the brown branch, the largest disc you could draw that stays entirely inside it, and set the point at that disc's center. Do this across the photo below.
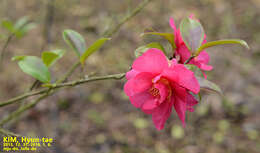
(4, 48)
(61, 85)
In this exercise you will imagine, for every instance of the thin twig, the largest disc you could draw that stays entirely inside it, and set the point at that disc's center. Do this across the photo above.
(48, 23)
(68, 74)
(98, 78)
(126, 18)
(5, 47)
(61, 85)
(189, 59)
(23, 109)
(21, 97)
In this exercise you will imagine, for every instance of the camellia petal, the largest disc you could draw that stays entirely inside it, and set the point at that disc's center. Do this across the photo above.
(180, 108)
(191, 101)
(138, 99)
(153, 61)
(203, 57)
(182, 76)
(161, 114)
(131, 74)
(164, 91)
(179, 91)
(150, 105)
(139, 83)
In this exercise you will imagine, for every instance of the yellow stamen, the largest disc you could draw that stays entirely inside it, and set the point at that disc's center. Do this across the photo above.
(167, 83)
(154, 91)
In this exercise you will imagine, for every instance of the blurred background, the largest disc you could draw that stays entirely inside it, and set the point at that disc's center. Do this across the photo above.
(97, 117)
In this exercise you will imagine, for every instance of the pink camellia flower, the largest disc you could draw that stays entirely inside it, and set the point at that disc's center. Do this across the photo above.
(155, 85)
(183, 53)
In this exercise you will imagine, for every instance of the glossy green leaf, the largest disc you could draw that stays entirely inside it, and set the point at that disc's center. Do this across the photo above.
(34, 66)
(140, 50)
(208, 85)
(94, 47)
(167, 36)
(59, 52)
(18, 58)
(50, 57)
(20, 28)
(25, 29)
(192, 33)
(156, 45)
(75, 41)
(221, 42)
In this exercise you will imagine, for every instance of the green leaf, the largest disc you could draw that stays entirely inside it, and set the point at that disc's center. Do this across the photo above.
(50, 57)
(22, 26)
(8, 25)
(208, 85)
(167, 36)
(221, 42)
(21, 22)
(18, 58)
(156, 45)
(192, 33)
(59, 52)
(75, 41)
(191, 67)
(21, 32)
(140, 50)
(94, 47)
(35, 67)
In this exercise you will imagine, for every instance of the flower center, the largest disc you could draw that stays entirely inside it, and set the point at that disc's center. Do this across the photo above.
(167, 83)
(154, 91)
